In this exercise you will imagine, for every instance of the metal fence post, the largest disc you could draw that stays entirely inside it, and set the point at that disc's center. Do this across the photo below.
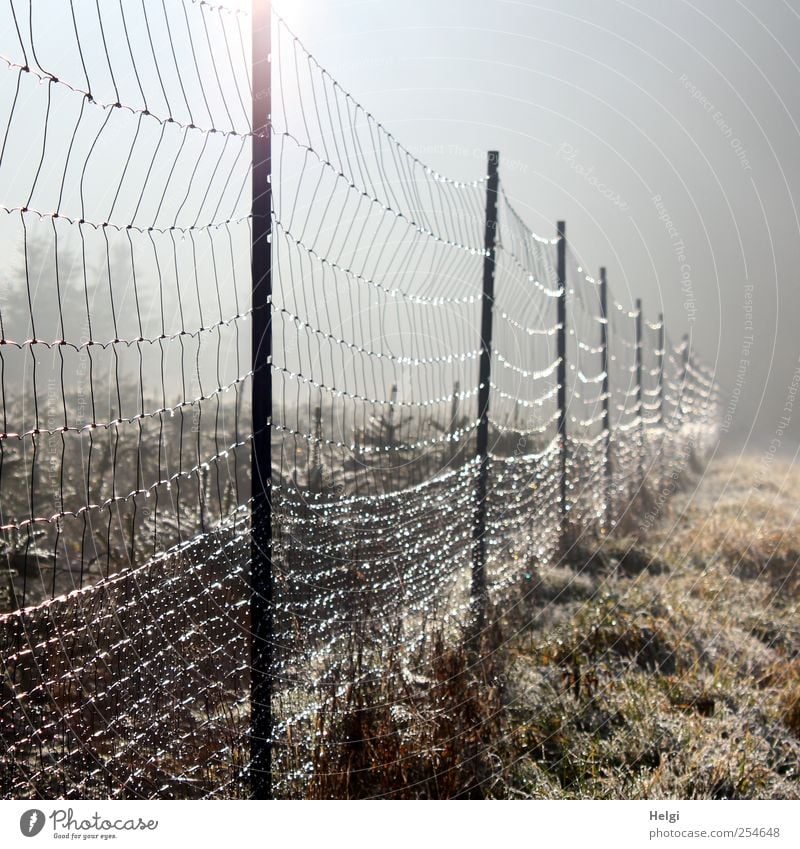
(606, 397)
(684, 371)
(261, 623)
(562, 372)
(478, 593)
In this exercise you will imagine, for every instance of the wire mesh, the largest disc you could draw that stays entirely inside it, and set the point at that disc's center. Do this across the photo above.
(125, 372)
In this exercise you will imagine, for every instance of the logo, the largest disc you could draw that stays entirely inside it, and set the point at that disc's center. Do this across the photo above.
(31, 822)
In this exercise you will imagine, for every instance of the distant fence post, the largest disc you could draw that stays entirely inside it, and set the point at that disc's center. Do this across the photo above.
(478, 590)
(661, 353)
(638, 351)
(261, 622)
(606, 397)
(684, 370)
(562, 372)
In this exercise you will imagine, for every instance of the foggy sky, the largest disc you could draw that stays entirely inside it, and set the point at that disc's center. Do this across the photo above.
(666, 135)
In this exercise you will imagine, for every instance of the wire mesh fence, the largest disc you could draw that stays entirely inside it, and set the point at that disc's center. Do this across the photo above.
(126, 372)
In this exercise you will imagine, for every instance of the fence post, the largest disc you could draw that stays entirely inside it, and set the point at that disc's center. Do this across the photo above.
(606, 397)
(562, 372)
(261, 622)
(638, 351)
(684, 370)
(478, 591)
(661, 353)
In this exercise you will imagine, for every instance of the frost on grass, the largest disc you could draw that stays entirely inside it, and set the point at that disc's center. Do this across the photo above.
(667, 667)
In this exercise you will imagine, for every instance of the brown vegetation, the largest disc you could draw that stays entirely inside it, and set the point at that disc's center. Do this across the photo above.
(664, 666)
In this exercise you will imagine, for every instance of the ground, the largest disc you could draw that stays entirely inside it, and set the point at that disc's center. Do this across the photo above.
(666, 666)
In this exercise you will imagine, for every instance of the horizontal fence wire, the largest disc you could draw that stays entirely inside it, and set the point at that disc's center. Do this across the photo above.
(126, 374)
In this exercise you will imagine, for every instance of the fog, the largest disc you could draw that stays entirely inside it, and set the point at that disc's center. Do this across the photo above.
(664, 134)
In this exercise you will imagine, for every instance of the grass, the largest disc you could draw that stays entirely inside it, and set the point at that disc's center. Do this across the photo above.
(401, 734)
(669, 667)
(646, 665)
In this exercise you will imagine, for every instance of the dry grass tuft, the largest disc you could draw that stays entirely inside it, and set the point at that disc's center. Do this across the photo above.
(421, 734)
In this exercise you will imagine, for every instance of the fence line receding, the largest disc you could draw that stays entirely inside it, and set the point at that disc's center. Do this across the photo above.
(450, 402)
